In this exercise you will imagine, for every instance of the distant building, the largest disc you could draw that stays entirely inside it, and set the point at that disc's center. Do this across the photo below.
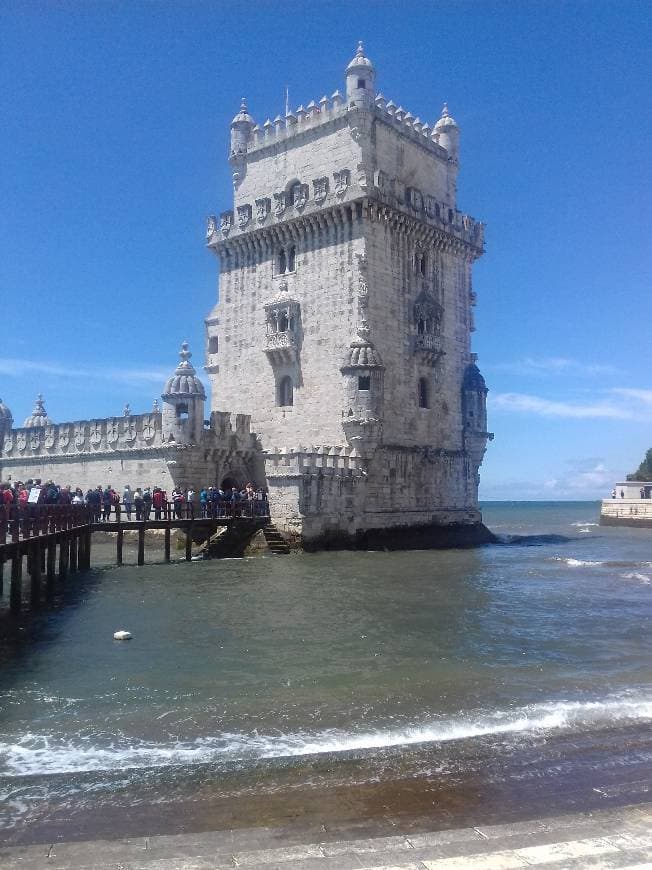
(340, 346)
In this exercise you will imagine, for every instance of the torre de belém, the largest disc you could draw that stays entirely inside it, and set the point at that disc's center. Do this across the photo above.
(339, 352)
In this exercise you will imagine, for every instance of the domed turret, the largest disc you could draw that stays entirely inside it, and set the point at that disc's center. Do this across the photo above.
(474, 399)
(6, 422)
(448, 133)
(183, 403)
(364, 382)
(39, 416)
(360, 81)
(241, 129)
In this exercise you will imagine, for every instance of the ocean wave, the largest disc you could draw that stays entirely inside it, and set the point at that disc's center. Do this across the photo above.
(576, 563)
(584, 525)
(34, 754)
(645, 579)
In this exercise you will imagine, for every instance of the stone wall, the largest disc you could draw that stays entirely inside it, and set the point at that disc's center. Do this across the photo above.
(626, 512)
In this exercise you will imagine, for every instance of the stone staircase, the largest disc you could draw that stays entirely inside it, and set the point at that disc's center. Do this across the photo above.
(275, 541)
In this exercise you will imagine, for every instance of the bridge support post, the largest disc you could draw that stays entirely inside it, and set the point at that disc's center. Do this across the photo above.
(166, 544)
(35, 574)
(118, 547)
(16, 589)
(50, 564)
(141, 545)
(74, 541)
(188, 543)
(64, 555)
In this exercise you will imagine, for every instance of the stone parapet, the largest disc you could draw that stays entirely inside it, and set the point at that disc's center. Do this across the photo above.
(626, 512)
(342, 461)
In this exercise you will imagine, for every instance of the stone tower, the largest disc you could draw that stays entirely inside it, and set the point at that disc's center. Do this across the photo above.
(183, 403)
(345, 315)
(6, 422)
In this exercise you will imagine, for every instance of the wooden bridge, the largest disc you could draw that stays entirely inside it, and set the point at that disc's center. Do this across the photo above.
(55, 540)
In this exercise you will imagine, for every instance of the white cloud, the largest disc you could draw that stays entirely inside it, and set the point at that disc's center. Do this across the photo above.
(15, 368)
(555, 365)
(644, 396)
(541, 407)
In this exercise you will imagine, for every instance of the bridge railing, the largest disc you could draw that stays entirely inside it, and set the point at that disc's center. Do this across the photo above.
(21, 522)
(170, 511)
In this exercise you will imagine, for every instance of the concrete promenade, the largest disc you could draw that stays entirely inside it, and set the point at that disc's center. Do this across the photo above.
(620, 837)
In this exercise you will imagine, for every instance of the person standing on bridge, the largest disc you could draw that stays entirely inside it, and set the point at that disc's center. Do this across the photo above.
(147, 503)
(138, 504)
(191, 498)
(128, 501)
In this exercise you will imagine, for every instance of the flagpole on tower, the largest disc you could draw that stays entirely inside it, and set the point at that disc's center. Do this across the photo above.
(287, 101)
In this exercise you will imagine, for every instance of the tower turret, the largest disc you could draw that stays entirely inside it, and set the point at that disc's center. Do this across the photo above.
(360, 81)
(474, 399)
(39, 416)
(364, 378)
(6, 422)
(183, 403)
(448, 134)
(241, 133)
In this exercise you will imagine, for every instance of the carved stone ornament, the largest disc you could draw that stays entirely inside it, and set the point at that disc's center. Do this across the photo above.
(50, 436)
(414, 199)
(112, 431)
(8, 445)
(64, 437)
(226, 222)
(320, 188)
(244, 215)
(96, 434)
(300, 196)
(149, 428)
(211, 227)
(129, 429)
(342, 180)
(21, 440)
(431, 206)
(263, 208)
(80, 436)
(381, 181)
(279, 203)
(35, 439)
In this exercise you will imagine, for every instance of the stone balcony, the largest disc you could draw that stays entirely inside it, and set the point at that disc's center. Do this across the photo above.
(281, 347)
(428, 346)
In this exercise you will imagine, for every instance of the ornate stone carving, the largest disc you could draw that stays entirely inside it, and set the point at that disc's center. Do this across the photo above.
(320, 189)
(226, 222)
(50, 437)
(35, 439)
(112, 431)
(244, 215)
(211, 227)
(342, 180)
(263, 208)
(96, 434)
(80, 435)
(414, 199)
(431, 206)
(280, 203)
(129, 430)
(64, 437)
(21, 440)
(149, 428)
(8, 445)
(300, 194)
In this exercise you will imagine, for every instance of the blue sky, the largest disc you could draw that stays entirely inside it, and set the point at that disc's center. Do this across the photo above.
(114, 151)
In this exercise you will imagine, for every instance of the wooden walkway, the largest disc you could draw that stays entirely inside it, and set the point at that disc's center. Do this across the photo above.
(56, 540)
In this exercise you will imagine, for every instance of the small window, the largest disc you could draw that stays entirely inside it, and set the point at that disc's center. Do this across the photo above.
(291, 258)
(212, 344)
(182, 413)
(285, 392)
(424, 397)
(362, 83)
(282, 262)
(283, 323)
(423, 265)
(364, 382)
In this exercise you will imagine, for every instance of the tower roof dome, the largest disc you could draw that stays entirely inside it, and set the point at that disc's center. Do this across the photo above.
(446, 120)
(360, 62)
(5, 414)
(184, 381)
(243, 115)
(361, 353)
(473, 379)
(39, 416)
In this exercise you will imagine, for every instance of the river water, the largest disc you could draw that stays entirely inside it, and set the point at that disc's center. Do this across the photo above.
(465, 677)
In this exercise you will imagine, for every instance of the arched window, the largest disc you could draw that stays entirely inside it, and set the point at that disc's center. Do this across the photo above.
(364, 383)
(424, 393)
(182, 413)
(283, 322)
(423, 263)
(282, 262)
(291, 258)
(285, 392)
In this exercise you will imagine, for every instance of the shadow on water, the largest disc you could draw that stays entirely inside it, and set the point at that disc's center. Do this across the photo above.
(535, 540)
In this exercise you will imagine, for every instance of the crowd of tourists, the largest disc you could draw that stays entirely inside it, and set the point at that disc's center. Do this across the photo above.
(142, 503)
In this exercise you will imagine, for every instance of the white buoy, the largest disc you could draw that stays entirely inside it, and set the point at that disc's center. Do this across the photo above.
(122, 635)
